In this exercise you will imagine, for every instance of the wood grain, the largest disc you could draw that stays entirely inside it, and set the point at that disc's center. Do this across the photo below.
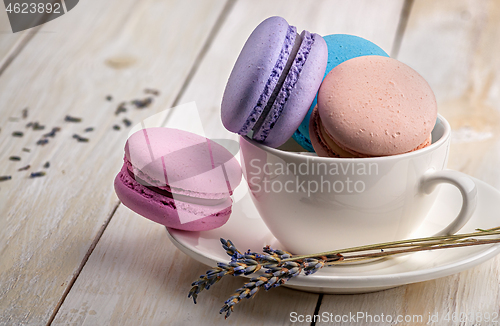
(135, 276)
(11, 44)
(453, 44)
(49, 223)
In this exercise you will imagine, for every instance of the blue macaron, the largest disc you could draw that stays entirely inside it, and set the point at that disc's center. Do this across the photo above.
(341, 47)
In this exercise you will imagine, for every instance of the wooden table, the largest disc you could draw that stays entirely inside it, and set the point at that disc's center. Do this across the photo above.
(71, 254)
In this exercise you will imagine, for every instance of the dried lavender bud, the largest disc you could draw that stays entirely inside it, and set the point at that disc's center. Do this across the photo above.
(109, 98)
(46, 165)
(127, 122)
(42, 141)
(69, 118)
(26, 149)
(53, 132)
(24, 168)
(89, 129)
(37, 126)
(37, 174)
(144, 103)
(17, 134)
(121, 108)
(14, 158)
(152, 91)
(29, 124)
(13, 119)
(25, 113)
(5, 177)
(116, 127)
(80, 138)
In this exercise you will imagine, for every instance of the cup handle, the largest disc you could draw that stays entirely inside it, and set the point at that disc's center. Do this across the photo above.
(467, 188)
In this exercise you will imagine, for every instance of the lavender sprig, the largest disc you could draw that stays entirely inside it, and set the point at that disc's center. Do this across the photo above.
(280, 266)
(277, 272)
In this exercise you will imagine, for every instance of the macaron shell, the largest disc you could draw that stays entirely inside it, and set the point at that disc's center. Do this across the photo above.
(182, 162)
(253, 71)
(377, 106)
(324, 145)
(302, 94)
(341, 47)
(169, 211)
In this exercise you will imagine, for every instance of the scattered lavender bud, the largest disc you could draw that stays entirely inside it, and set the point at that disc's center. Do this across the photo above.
(89, 129)
(53, 132)
(29, 125)
(37, 126)
(14, 158)
(26, 149)
(109, 98)
(37, 174)
(152, 91)
(46, 165)
(144, 103)
(127, 122)
(24, 168)
(69, 118)
(42, 141)
(25, 113)
(116, 127)
(17, 134)
(5, 177)
(13, 119)
(80, 138)
(121, 108)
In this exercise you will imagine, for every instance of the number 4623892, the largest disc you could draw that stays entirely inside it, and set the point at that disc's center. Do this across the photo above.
(33, 8)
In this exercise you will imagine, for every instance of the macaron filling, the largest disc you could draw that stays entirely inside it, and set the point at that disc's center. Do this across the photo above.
(273, 80)
(177, 196)
(172, 202)
(282, 92)
(146, 180)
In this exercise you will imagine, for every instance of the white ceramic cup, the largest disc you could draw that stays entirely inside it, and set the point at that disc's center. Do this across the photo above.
(314, 204)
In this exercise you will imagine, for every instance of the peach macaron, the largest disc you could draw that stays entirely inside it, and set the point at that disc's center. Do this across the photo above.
(372, 106)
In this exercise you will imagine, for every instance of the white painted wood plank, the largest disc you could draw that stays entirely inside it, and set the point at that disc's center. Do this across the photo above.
(101, 47)
(454, 45)
(12, 43)
(136, 276)
(107, 292)
(8, 40)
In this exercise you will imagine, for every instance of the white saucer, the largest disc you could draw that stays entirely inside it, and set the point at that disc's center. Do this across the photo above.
(247, 231)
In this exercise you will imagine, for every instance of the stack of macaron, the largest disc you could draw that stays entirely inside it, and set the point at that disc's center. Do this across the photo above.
(338, 95)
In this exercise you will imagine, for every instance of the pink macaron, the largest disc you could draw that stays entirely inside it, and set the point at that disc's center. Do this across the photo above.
(372, 106)
(178, 179)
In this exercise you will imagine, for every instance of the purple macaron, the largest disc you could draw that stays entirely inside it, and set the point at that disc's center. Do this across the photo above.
(273, 82)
